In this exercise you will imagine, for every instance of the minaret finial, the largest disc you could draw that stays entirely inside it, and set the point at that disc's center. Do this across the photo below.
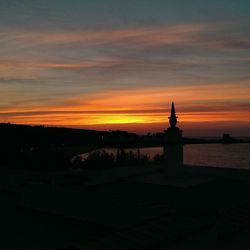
(172, 118)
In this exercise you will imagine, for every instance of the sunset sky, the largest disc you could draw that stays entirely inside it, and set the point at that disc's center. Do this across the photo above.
(118, 64)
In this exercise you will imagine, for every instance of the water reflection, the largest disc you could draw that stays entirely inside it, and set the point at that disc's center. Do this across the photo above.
(214, 155)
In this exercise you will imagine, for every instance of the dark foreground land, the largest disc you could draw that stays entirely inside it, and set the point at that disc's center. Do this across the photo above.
(125, 208)
(48, 204)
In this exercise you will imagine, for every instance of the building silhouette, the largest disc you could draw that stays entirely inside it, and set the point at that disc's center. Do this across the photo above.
(173, 145)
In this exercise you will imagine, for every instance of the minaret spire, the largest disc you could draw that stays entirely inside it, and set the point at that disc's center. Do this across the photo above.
(172, 118)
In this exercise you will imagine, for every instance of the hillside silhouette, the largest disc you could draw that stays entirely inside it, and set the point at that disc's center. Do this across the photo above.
(52, 148)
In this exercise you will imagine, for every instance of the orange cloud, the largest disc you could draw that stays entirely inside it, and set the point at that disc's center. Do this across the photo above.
(146, 36)
(191, 34)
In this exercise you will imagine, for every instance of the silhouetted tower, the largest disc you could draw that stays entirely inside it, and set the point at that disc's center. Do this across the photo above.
(173, 146)
(172, 118)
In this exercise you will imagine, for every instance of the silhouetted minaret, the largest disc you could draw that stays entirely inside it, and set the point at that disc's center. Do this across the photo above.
(172, 118)
(173, 146)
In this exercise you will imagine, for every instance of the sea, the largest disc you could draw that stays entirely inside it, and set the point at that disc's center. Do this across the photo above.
(214, 155)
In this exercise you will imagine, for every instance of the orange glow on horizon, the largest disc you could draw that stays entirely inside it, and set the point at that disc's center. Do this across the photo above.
(208, 103)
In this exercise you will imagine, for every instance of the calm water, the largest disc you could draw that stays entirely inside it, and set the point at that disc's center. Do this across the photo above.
(214, 155)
